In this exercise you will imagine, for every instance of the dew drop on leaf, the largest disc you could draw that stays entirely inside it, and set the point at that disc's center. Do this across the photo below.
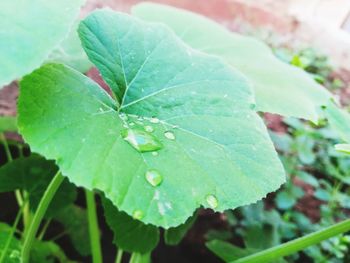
(154, 120)
(141, 140)
(123, 116)
(137, 214)
(155, 153)
(154, 177)
(169, 135)
(212, 201)
(149, 128)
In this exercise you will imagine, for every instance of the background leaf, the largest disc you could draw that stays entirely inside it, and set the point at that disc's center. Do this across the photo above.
(8, 124)
(30, 30)
(130, 234)
(215, 150)
(279, 87)
(75, 222)
(34, 174)
(71, 53)
(174, 235)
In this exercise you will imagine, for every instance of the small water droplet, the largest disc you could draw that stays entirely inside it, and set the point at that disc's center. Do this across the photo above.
(212, 201)
(154, 177)
(169, 135)
(154, 120)
(155, 153)
(141, 140)
(138, 214)
(149, 128)
(123, 116)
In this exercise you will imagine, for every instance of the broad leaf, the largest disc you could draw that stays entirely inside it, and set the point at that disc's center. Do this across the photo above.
(174, 235)
(279, 87)
(71, 53)
(344, 148)
(34, 174)
(76, 225)
(185, 134)
(8, 124)
(129, 234)
(29, 31)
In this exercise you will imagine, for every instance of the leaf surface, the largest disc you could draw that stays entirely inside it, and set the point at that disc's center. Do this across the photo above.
(279, 88)
(8, 124)
(29, 31)
(210, 148)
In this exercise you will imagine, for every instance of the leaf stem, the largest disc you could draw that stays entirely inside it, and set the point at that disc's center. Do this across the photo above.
(12, 232)
(39, 214)
(271, 254)
(119, 256)
(93, 227)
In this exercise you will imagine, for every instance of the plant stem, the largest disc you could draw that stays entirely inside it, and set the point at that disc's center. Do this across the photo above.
(296, 245)
(119, 256)
(12, 232)
(39, 214)
(43, 230)
(93, 227)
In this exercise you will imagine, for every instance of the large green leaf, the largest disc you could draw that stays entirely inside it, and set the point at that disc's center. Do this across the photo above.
(209, 146)
(29, 31)
(71, 53)
(279, 87)
(129, 234)
(34, 174)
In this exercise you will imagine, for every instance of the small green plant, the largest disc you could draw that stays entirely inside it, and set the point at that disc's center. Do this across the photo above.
(178, 130)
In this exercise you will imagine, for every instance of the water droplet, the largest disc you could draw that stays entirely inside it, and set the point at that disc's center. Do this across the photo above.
(154, 120)
(138, 214)
(131, 124)
(141, 140)
(149, 128)
(212, 201)
(155, 153)
(123, 116)
(169, 135)
(154, 177)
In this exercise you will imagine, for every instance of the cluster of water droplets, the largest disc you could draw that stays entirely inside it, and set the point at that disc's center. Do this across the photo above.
(139, 133)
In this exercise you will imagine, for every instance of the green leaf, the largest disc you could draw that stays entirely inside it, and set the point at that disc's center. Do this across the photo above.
(48, 252)
(140, 258)
(344, 148)
(71, 53)
(13, 253)
(228, 252)
(285, 200)
(339, 120)
(174, 235)
(31, 29)
(279, 87)
(34, 174)
(8, 124)
(75, 222)
(215, 150)
(130, 234)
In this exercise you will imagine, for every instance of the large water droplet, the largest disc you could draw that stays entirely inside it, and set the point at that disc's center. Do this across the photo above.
(212, 201)
(154, 177)
(137, 214)
(169, 135)
(154, 120)
(149, 128)
(141, 140)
